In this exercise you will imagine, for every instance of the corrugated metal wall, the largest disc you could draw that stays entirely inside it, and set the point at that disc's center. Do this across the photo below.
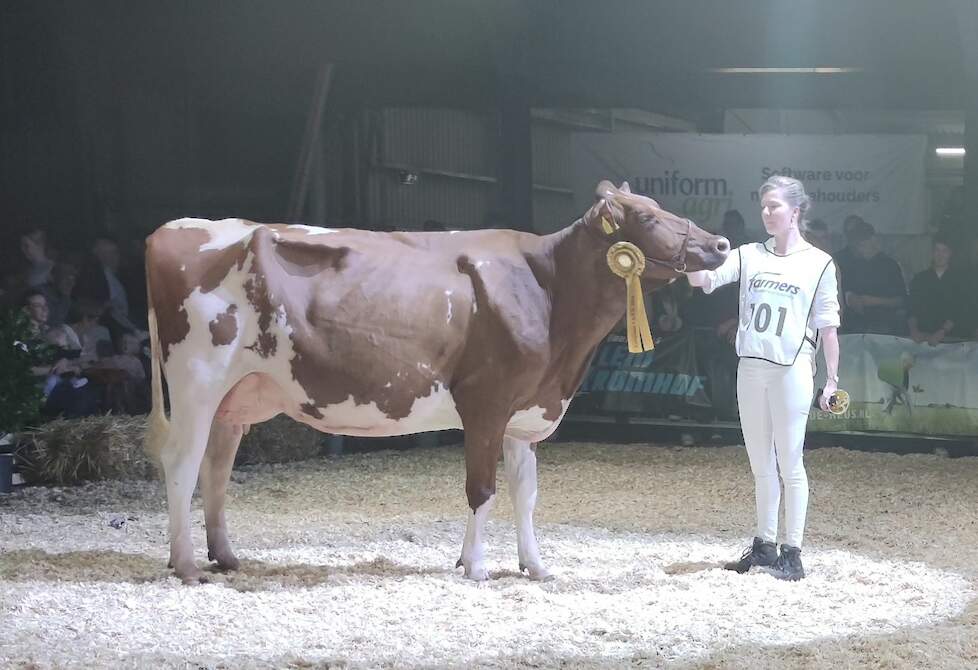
(440, 164)
(430, 164)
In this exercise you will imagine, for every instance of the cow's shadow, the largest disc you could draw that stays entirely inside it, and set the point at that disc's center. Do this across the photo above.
(118, 567)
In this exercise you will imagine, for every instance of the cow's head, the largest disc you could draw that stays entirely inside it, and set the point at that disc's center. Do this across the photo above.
(672, 245)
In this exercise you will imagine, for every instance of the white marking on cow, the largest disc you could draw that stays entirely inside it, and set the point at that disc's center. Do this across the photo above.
(312, 230)
(223, 233)
(435, 411)
(449, 295)
(531, 425)
(473, 546)
(520, 461)
(195, 360)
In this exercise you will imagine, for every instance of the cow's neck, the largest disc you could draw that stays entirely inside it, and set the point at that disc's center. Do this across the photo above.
(588, 299)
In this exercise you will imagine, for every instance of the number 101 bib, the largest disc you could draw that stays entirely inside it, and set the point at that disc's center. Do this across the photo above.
(777, 294)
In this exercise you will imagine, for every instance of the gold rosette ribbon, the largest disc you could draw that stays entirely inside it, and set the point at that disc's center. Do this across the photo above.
(839, 402)
(628, 262)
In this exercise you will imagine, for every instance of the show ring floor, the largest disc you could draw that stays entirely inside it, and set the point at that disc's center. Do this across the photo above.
(349, 562)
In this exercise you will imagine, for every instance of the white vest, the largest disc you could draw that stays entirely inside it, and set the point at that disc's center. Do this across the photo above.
(777, 294)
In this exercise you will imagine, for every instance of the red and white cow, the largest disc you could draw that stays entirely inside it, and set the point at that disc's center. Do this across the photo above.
(380, 334)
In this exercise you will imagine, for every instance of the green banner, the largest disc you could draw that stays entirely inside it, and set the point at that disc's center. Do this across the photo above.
(897, 385)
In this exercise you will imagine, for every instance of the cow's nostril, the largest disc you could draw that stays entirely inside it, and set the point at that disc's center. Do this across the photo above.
(722, 245)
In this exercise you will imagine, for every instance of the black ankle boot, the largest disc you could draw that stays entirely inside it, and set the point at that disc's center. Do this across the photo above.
(759, 553)
(788, 566)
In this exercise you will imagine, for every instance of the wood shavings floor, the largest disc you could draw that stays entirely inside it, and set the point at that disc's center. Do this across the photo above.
(348, 562)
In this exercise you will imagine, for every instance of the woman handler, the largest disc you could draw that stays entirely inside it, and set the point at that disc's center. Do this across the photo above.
(788, 309)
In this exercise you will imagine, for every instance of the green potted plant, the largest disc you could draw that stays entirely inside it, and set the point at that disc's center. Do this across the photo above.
(21, 398)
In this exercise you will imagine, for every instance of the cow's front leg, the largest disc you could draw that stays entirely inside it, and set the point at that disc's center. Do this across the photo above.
(481, 456)
(521, 474)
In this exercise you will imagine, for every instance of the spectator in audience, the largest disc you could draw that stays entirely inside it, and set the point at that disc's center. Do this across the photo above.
(117, 366)
(37, 261)
(59, 293)
(817, 235)
(873, 288)
(100, 282)
(668, 308)
(132, 274)
(36, 308)
(96, 341)
(66, 391)
(937, 310)
(734, 228)
(847, 257)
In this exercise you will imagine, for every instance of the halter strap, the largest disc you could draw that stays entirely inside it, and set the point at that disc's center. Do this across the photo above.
(677, 263)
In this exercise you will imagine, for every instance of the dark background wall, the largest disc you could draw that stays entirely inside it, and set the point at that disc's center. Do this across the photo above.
(120, 115)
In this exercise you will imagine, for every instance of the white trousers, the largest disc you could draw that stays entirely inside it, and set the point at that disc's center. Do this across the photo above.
(774, 402)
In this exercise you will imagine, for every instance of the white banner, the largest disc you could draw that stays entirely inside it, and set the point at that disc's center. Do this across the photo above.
(878, 177)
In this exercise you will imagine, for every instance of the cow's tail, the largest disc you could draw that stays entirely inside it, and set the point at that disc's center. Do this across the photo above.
(157, 426)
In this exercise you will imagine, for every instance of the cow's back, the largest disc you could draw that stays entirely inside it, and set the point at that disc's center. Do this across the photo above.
(355, 323)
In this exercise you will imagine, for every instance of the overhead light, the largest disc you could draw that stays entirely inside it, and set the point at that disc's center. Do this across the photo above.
(786, 70)
(949, 151)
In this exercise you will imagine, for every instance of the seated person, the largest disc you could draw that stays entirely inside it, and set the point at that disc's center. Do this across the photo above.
(58, 293)
(66, 391)
(100, 282)
(873, 287)
(96, 342)
(937, 307)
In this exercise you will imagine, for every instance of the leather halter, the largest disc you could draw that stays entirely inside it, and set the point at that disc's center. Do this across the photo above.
(677, 263)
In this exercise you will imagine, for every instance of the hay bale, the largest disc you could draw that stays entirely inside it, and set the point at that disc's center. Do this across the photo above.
(68, 451)
(279, 440)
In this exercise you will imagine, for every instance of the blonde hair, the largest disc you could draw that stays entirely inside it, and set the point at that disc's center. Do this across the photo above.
(794, 194)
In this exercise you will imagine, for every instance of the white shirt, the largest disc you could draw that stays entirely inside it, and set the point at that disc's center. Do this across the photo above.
(784, 299)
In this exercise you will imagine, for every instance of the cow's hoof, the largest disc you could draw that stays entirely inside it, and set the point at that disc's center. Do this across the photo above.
(477, 573)
(227, 562)
(537, 573)
(192, 576)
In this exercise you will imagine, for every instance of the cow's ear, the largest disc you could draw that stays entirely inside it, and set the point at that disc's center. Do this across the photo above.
(625, 188)
(605, 189)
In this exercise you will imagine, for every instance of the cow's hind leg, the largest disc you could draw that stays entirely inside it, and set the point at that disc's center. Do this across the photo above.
(181, 458)
(521, 473)
(214, 475)
(482, 451)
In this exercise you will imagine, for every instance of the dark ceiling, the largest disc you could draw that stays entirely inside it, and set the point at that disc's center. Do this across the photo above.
(646, 54)
(115, 110)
